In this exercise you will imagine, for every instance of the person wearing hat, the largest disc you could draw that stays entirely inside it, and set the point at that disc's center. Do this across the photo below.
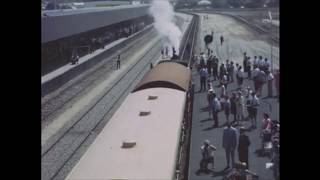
(243, 147)
(207, 150)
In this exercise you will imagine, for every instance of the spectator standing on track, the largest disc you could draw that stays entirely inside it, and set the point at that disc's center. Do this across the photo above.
(248, 102)
(215, 107)
(203, 79)
(240, 77)
(162, 53)
(261, 80)
(230, 71)
(233, 107)
(227, 107)
(215, 68)
(254, 105)
(207, 152)
(260, 63)
(266, 134)
(243, 147)
(223, 71)
(224, 81)
(269, 80)
(221, 40)
(223, 91)
(74, 57)
(266, 65)
(249, 67)
(255, 61)
(255, 73)
(209, 65)
(240, 107)
(118, 62)
(210, 98)
(229, 143)
(167, 52)
(202, 63)
(245, 59)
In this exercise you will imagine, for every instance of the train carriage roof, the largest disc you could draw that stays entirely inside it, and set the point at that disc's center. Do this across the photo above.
(155, 135)
(168, 75)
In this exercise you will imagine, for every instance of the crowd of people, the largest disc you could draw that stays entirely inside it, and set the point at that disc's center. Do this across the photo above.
(243, 101)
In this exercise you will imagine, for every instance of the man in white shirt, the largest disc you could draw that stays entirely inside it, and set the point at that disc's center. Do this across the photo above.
(269, 79)
(203, 78)
(255, 73)
(255, 61)
(240, 76)
(266, 65)
(260, 63)
(261, 79)
(255, 103)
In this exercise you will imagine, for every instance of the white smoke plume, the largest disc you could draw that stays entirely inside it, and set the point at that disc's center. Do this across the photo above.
(163, 15)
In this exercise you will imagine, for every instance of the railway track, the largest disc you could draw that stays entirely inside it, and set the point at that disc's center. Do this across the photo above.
(253, 26)
(187, 49)
(73, 138)
(85, 82)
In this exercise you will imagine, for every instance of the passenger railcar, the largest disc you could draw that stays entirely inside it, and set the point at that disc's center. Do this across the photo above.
(142, 139)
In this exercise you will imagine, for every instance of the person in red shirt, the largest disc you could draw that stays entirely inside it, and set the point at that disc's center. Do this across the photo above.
(266, 129)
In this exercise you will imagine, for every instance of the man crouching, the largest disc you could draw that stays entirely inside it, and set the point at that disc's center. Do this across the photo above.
(207, 156)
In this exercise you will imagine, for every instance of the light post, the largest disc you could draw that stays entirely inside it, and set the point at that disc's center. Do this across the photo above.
(270, 18)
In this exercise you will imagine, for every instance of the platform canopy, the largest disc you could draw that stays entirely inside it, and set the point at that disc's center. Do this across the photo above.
(56, 24)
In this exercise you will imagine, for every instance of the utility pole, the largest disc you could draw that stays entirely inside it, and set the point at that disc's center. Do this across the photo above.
(270, 18)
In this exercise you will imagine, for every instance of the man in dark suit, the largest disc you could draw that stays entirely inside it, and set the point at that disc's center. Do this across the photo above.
(229, 143)
(243, 147)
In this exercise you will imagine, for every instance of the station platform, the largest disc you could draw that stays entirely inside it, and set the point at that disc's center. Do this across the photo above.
(202, 129)
(58, 77)
(87, 57)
